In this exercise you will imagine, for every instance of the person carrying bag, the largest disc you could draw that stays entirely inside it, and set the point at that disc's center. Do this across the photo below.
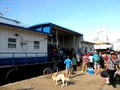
(111, 68)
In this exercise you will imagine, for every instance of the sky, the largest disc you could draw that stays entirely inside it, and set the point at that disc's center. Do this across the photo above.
(92, 18)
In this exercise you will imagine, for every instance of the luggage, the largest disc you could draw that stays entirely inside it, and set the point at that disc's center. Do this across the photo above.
(104, 73)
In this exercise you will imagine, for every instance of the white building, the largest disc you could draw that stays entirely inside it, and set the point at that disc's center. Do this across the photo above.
(116, 45)
(87, 47)
(19, 42)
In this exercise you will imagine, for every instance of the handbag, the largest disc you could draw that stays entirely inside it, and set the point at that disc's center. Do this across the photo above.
(104, 73)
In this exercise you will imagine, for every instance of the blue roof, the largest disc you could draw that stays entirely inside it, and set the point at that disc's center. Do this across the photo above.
(50, 25)
(45, 28)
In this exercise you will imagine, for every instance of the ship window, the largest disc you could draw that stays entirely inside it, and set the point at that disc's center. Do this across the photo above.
(90, 48)
(11, 43)
(39, 29)
(36, 44)
(82, 47)
(46, 29)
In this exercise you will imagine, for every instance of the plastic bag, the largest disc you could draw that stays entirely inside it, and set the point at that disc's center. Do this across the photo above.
(106, 80)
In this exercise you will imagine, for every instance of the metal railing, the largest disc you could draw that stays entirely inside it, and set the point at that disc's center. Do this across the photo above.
(20, 58)
(28, 58)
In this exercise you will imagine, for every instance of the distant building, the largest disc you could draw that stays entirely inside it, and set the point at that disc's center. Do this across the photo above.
(117, 45)
(86, 47)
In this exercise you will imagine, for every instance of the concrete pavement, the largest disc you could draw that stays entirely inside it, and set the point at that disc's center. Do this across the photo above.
(78, 81)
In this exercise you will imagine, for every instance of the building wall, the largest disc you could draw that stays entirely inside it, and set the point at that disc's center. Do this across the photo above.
(26, 36)
(86, 47)
(77, 40)
(116, 46)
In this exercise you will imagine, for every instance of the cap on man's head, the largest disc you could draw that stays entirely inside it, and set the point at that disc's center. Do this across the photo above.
(112, 52)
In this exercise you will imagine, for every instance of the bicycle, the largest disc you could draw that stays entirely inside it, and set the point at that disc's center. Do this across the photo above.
(50, 70)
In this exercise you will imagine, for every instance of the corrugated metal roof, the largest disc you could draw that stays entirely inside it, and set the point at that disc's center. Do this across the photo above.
(23, 28)
(11, 23)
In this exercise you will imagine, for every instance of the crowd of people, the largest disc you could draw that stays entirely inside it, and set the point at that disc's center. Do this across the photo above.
(109, 61)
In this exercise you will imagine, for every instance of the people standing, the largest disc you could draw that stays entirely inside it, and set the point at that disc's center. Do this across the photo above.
(74, 63)
(78, 59)
(101, 60)
(111, 67)
(68, 64)
(54, 53)
(90, 61)
(84, 63)
(96, 59)
(105, 59)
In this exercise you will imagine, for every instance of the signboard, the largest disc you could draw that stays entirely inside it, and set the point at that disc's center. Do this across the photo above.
(102, 46)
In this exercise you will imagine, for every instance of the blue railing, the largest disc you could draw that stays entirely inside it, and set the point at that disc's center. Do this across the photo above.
(28, 58)
(22, 58)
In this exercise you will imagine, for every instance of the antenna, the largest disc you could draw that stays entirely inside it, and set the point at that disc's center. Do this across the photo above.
(2, 13)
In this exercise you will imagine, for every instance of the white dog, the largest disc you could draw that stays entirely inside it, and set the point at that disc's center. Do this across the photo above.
(56, 77)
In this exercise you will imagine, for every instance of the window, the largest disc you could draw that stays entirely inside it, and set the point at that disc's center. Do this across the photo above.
(11, 43)
(82, 47)
(46, 29)
(39, 29)
(90, 48)
(36, 44)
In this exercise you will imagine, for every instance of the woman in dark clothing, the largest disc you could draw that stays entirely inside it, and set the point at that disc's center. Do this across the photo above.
(101, 60)
(111, 67)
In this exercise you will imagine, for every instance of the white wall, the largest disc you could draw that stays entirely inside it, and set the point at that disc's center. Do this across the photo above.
(116, 46)
(88, 45)
(28, 36)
